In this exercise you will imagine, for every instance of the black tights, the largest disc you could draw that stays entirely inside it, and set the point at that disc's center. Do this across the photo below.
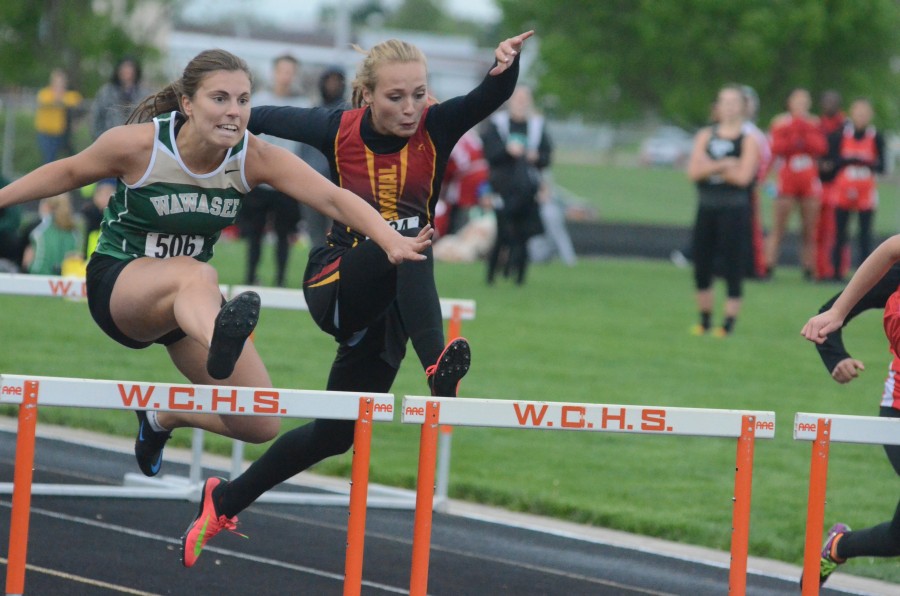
(254, 218)
(370, 285)
(304, 446)
(721, 233)
(842, 221)
(511, 243)
(882, 540)
(391, 303)
(254, 253)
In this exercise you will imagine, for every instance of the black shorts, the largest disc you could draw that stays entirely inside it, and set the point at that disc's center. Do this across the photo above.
(102, 272)
(320, 290)
(348, 290)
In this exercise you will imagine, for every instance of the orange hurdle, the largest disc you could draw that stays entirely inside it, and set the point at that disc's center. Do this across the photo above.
(27, 392)
(822, 430)
(431, 412)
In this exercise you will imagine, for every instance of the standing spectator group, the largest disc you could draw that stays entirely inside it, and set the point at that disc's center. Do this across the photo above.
(827, 164)
(825, 167)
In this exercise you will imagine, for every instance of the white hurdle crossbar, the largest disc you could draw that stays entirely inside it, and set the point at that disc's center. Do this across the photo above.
(452, 309)
(822, 430)
(28, 392)
(432, 412)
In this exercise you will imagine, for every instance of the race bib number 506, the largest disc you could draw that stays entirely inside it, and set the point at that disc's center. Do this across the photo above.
(163, 246)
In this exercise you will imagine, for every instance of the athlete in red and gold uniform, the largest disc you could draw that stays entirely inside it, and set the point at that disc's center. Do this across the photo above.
(392, 149)
(798, 143)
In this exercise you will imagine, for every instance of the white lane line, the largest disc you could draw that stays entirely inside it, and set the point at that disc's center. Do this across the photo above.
(469, 555)
(209, 549)
(83, 580)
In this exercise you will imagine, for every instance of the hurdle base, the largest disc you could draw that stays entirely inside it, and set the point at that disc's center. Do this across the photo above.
(137, 486)
(379, 497)
(93, 490)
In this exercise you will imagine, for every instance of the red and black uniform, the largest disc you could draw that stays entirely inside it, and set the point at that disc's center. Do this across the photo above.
(882, 539)
(354, 293)
(857, 156)
(825, 226)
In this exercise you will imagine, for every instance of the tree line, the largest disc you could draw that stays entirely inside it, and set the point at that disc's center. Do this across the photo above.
(605, 60)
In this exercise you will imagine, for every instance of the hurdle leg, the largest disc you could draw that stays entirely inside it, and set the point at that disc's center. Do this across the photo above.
(815, 511)
(442, 483)
(21, 499)
(442, 488)
(359, 488)
(421, 547)
(740, 523)
(454, 326)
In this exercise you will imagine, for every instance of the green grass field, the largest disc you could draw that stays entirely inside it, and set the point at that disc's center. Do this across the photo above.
(606, 331)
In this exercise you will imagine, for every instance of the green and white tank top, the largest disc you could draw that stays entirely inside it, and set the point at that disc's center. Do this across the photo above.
(171, 211)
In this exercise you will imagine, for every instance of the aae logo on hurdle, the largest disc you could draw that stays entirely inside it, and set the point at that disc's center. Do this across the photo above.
(248, 401)
(10, 390)
(587, 417)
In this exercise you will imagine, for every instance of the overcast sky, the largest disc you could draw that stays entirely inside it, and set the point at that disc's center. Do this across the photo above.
(308, 10)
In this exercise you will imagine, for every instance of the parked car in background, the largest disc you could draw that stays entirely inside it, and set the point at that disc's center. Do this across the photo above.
(667, 146)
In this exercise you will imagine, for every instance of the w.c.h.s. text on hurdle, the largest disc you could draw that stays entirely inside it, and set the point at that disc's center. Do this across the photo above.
(575, 417)
(223, 401)
(68, 288)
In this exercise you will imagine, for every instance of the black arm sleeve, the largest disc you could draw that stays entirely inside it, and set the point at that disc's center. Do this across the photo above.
(312, 126)
(832, 349)
(449, 120)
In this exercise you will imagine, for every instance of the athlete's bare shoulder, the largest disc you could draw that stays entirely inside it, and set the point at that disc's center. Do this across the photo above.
(126, 149)
(266, 162)
(259, 149)
(139, 135)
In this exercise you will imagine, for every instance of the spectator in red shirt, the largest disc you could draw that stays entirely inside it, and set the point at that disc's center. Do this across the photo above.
(798, 141)
(464, 180)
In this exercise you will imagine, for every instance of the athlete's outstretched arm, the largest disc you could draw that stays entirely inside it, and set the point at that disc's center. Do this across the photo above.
(507, 51)
(869, 273)
(115, 153)
(288, 173)
(306, 125)
(450, 119)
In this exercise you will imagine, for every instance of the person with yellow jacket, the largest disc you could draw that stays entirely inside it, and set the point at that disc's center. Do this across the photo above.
(57, 105)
